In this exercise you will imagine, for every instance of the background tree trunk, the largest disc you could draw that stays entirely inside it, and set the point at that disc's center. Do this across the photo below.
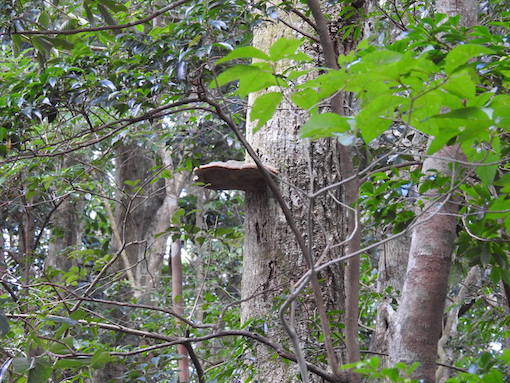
(66, 228)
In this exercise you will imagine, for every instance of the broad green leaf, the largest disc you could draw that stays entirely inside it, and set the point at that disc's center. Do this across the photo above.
(264, 108)
(231, 74)
(461, 54)
(443, 131)
(461, 84)
(251, 78)
(100, 359)
(499, 208)
(62, 43)
(244, 53)
(43, 19)
(500, 106)
(487, 173)
(324, 125)
(283, 48)
(40, 372)
(106, 15)
(305, 99)
(504, 181)
(326, 84)
(115, 6)
(378, 115)
(493, 376)
(256, 80)
(42, 44)
(21, 365)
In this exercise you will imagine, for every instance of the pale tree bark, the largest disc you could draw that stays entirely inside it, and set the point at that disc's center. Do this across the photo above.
(419, 317)
(144, 213)
(273, 261)
(178, 306)
(392, 268)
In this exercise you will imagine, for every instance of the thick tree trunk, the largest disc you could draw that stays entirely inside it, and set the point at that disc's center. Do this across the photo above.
(273, 261)
(420, 315)
(145, 212)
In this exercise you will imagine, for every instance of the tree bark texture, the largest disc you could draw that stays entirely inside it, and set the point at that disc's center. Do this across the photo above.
(419, 317)
(392, 268)
(144, 212)
(272, 260)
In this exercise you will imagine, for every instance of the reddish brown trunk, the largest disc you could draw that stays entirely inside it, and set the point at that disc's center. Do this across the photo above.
(420, 314)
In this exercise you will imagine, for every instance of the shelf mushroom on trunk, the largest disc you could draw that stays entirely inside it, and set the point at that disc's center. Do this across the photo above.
(232, 175)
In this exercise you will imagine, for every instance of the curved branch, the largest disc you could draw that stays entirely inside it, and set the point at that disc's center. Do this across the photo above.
(104, 27)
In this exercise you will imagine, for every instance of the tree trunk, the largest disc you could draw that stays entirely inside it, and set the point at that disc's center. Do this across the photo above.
(66, 228)
(390, 278)
(419, 317)
(273, 261)
(144, 213)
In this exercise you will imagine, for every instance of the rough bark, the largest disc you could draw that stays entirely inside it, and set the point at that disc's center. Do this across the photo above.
(391, 272)
(272, 259)
(145, 211)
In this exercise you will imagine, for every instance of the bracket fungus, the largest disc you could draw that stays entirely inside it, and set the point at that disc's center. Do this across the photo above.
(232, 175)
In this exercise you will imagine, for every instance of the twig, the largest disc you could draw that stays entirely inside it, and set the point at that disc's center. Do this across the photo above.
(104, 27)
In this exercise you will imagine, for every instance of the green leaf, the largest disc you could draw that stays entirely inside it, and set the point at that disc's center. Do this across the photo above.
(100, 359)
(488, 173)
(40, 372)
(44, 19)
(232, 74)
(114, 6)
(493, 376)
(500, 208)
(324, 125)
(284, 48)
(501, 111)
(461, 54)
(106, 15)
(461, 84)
(42, 44)
(378, 115)
(305, 99)
(62, 43)
(264, 108)
(251, 78)
(244, 53)
(20, 365)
